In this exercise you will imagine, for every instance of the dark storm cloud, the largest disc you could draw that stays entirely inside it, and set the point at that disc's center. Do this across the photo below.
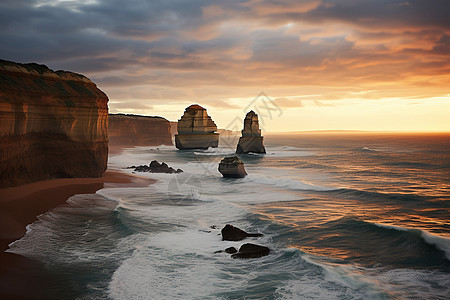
(231, 43)
(384, 13)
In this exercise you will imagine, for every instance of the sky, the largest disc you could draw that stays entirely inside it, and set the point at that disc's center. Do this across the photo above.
(378, 65)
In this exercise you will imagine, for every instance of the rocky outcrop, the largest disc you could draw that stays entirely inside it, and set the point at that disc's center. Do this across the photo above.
(196, 130)
(231, 233)
(134, 130)
(251, 139)
(52, 124)
(251, 251)
(232, 166)
(156, 167)
(229, 250)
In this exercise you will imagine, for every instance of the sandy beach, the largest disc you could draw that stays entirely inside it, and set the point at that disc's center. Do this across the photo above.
(21, 278)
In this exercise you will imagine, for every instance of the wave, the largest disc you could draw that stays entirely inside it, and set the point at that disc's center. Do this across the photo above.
(412, 165)
(379, 196)
(355, 281)
(368, 149)
(216, 152)
(286, 183)
(370, 244)
(287, 151)
(442, 243)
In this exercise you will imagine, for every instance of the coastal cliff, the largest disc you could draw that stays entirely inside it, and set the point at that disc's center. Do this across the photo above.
(135, 130)
(52, 125)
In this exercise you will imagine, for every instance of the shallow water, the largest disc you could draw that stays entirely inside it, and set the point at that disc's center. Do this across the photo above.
(346, 216)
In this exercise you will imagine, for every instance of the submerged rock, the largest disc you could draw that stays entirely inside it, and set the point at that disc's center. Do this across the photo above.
(251, 140)
(156, 167)
(196, 130)
(231, 233)
(229, 250)
(251, 251)
(232, 166)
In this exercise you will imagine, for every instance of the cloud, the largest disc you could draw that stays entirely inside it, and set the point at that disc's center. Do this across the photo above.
(216, 50)
(286, 102)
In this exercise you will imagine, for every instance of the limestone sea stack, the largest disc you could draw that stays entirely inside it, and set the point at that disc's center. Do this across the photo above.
(232, 166)
(52, 125)
(196, 130)
(251, 139)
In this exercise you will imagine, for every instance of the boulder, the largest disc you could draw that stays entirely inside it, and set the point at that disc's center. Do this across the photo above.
(251, 139)
(251, 251)
(231, 233)
(231, 250)
(156, 167)
(196, 130)
(232, 166)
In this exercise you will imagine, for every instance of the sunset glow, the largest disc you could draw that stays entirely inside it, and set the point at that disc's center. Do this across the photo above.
(326, 65)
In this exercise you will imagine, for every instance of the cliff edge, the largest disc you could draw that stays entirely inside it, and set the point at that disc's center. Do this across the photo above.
(52, 125)
(135, 130)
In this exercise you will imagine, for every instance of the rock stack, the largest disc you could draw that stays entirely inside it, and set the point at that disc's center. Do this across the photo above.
(232, 166)
(196, 130)
(251, 140)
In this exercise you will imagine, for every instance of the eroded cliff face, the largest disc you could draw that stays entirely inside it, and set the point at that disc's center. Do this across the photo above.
(52, 125)
(135, 130)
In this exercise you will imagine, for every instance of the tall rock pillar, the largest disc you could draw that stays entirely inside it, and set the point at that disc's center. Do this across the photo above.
(196, 130)
(251, 140)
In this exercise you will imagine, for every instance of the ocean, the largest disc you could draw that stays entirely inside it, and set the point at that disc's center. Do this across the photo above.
(346, 216)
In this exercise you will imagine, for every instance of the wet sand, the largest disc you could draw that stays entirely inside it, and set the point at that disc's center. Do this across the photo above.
(22, 278)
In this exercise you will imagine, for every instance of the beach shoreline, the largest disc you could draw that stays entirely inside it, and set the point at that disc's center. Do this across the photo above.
(22, 278)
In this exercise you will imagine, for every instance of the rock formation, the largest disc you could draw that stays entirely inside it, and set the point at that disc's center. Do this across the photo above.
(251, 251)
(135, 130)
(174, 128)
(229, 250)
(196, 130)
(52, 124)
(231, 233)
(156, 167)
(251, 139)
(232, 166)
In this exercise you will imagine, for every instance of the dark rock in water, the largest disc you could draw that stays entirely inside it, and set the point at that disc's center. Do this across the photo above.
(232, 166)
(251, 251)
(231, 233)
(156, 167)
(231, 250)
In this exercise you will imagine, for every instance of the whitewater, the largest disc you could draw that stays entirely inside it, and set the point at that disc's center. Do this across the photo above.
(350, 216)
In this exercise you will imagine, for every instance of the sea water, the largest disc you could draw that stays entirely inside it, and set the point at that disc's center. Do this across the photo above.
(346, 216)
